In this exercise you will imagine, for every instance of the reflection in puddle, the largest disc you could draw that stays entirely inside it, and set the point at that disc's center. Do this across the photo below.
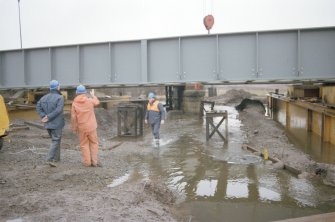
(237, 188)
(119, 180)
(269, 188)
(176, 181)
(206, 188)
(268, 195)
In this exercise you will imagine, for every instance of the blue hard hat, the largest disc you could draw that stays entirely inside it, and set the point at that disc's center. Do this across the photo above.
(151, 95)
(80, 89)
(54, 84)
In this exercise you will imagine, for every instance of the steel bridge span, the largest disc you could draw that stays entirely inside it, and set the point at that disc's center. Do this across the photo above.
(251, 57)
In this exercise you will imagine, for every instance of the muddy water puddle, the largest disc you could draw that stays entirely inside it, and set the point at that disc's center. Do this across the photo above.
(309, 142)
(218, 181)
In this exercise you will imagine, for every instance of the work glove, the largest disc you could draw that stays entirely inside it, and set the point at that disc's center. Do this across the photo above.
(162, 121)
(146, 121)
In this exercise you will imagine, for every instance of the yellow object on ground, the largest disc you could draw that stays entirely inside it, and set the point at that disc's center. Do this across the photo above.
(4, 120)
(265, 154)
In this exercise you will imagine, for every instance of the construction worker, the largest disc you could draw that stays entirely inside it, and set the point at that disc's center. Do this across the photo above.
(155, 115)
(50, 109)
(84, 123)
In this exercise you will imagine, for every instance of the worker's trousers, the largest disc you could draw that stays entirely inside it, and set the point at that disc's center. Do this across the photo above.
(89, 147)
(155, 129)
(54, 150)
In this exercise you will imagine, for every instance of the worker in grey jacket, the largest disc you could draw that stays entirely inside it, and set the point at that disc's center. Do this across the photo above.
(155, 115)
(50, 109)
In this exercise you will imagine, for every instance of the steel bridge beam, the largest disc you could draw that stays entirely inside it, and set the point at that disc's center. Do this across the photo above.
(267, 57)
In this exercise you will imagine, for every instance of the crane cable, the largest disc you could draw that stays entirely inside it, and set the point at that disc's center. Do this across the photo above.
(204, 7)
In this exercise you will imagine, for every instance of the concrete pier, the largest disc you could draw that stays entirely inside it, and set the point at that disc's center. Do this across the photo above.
(193, 95)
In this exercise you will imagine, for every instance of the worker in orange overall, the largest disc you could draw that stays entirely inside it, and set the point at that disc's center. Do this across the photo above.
(85, 124)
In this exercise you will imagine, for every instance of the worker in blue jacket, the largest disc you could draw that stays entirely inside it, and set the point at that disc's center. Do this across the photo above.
(50, 109)
(155, 115)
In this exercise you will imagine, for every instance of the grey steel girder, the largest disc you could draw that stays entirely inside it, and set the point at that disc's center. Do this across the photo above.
(269, 56)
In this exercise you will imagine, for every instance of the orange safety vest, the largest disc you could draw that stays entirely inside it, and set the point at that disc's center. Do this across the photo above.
(153, 107)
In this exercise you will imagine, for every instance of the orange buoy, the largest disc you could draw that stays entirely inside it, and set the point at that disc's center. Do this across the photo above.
(208, 22)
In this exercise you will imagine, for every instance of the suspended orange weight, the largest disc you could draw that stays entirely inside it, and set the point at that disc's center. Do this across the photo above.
(208, 22)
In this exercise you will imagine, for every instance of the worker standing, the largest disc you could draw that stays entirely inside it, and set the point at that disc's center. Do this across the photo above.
(84, 123)
(155, 115)
(50, 109)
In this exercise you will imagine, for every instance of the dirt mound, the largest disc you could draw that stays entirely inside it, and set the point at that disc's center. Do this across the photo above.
(232, 96)
(252, 105)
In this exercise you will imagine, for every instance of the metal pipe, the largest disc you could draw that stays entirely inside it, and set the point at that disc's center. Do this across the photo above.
(18, 4)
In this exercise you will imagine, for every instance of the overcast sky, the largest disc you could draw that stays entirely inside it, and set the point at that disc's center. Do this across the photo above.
(64, 22)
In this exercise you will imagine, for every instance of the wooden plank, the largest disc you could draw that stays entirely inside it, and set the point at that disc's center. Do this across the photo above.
(286, 166)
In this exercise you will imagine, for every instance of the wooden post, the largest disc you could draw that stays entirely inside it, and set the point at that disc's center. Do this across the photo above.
(209, 121)
(323, 127)
(202, 107)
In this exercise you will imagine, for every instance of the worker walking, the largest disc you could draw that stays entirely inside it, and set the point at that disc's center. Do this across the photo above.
(84, 123)
(50, 109)
(155, 115)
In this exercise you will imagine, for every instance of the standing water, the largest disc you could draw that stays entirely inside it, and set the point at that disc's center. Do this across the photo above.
(308, 142)
(218, 181)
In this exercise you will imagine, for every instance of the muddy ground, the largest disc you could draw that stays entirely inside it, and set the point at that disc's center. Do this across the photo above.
(31, 190)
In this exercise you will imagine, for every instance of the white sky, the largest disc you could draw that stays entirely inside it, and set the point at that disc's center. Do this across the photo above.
(64, 22)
